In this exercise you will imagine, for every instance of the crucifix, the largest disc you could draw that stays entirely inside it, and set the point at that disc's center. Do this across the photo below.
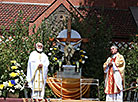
(69, 35)
(68, 47)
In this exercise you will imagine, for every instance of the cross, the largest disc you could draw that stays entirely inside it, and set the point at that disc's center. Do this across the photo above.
(69, 35)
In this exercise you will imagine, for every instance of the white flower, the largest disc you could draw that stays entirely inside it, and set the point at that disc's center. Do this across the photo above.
(5, 84)
(17, 71)
(17, 64)
(11, 90)
(55, 59)
(18, 86)
(16, 80)
(84, 51)
(83, 62)
(78, 49)
(51, 48)
(86, 57)
(49, 54)
(21, 77)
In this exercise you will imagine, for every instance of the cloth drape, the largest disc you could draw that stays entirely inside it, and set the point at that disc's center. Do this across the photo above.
(67, 88)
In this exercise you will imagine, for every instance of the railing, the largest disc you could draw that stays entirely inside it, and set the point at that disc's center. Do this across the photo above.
(131, 94)
(93, 89)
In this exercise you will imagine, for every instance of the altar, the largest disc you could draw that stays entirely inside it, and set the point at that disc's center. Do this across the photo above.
(68, 82)
(74, 88)
(69, 71)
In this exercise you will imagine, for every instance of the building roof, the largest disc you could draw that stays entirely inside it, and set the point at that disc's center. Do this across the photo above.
(120, 4)
(11, 11)
(121, 19)
(134, 11)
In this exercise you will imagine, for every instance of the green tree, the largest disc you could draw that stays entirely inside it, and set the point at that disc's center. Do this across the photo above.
(16, 43)
(131, 56)
(99, 34)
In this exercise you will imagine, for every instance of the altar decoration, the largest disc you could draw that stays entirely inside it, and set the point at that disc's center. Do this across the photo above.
(12, 81)
(79, 58)
(70, 88)
(54, 56)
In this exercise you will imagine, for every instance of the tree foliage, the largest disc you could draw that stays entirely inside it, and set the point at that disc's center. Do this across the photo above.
(16, 44)
(131, 57)
(99, 34)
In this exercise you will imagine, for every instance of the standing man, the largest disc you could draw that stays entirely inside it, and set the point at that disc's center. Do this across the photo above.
(114, 80)
(37, 71)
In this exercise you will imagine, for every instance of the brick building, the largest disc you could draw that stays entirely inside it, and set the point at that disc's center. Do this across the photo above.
(122, 13)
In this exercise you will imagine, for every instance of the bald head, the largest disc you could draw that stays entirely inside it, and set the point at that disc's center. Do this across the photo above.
(113, 49)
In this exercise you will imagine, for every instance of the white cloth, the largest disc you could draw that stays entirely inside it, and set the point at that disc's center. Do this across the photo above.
(115, 97)
(34, 75)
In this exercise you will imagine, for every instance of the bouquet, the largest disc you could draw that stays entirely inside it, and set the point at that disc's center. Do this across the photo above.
(79, 58)
(12, 80)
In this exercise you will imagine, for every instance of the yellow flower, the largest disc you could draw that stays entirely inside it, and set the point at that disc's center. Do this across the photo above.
(81, 50)
(80, 60)
(55, 48)
(13, 61)
(10, 84)
(73, 62)
(21, 73)
(13, 74)
(18, 73)
(14, 67)
(1, 86)
(55, 58)
(82, 55)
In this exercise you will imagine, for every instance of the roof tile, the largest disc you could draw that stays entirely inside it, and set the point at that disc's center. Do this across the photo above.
(11, 11)
(121, 20)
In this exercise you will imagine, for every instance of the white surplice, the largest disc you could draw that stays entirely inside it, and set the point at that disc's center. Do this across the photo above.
(36, 77)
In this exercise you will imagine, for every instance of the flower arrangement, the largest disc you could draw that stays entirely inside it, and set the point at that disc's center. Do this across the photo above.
(13, 79)
(79, 58)
(54, 55)
(57, 59)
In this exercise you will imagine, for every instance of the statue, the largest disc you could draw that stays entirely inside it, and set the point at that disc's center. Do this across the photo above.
(68, 50)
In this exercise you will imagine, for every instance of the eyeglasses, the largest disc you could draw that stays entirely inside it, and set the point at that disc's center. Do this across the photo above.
(39, 45)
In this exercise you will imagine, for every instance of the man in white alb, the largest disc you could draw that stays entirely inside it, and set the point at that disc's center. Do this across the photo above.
(37, 71)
